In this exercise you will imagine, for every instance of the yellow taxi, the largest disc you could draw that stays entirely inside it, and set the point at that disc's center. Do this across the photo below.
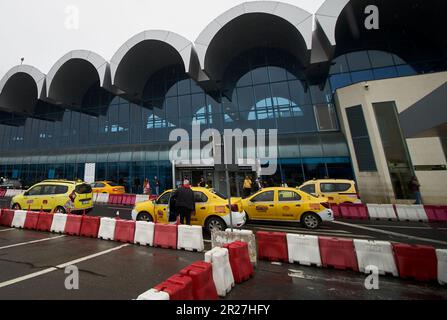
(288, 204)
(60, 196)
(336, 191)
(212, 210)
(108, 187)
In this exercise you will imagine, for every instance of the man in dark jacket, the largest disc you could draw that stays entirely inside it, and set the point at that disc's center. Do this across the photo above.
(185, 202)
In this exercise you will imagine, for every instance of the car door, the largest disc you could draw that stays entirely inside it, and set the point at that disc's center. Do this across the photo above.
(310, 189)
(161, 210)
(330, 191)
(33, 198)
(202, 208)
(48, 197)
(262, 206)
(289, 205)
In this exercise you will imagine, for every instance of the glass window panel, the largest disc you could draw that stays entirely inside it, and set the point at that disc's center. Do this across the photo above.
(380, 59)
(298, 94)
(277, 74)
(385, 73)
(184, 87)
(360, 76)
(245, 98)
(260, 75)
(339, 65)
(185, 106)
(405, 70)
(326, 117)
(358, 60)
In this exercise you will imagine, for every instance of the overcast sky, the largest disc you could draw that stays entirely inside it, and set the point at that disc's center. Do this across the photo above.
(37, 29)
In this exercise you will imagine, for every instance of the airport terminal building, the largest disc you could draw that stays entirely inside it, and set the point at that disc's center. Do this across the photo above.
(348, 101)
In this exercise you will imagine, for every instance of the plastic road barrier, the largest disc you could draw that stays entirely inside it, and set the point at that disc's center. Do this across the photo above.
(381, 212)
(115, 199)
(336, 209)
(6, 217)
(190, 238)
(442, 266)
(220, 238)
(354, 211)
(375, 253)
(45, 221)
(240, 261)
(144, 233)
(129, 199)
(416, 261)
(31, 220)
(222, 274)
(59, 222)
(19, 219)
(107, 229)
(90, 226)
(154, 295)
(201, 274)
(165, 236)
(303, 249)
(411, 213)
(12, 193)
(272, 246)
(125, 231)
(141, 198)
(102, 198)
(2, 193)
(436, 213)
(338, 253)
(73, 225)
(178, 287)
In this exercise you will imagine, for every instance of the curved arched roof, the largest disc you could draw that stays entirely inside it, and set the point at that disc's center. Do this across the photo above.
(327, 16)
(145, 54)
(250, 25)
(74, 74)
(20, 88)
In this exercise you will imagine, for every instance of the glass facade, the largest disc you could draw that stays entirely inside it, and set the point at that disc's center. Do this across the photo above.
(369, 65)
(129, 141)
(262, 89)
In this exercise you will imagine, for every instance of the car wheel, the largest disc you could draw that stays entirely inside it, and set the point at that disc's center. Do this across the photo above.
(215, 224)
(60, 210)
(16, 206)
(144, 216)
(310, 221)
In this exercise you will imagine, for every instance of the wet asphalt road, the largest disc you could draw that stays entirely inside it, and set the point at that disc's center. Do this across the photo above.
(32, 265)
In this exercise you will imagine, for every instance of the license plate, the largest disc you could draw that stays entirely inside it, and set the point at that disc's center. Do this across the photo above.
(85, 201)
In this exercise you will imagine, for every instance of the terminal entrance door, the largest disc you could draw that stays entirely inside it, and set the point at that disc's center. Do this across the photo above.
(194, 175)
(215, 178)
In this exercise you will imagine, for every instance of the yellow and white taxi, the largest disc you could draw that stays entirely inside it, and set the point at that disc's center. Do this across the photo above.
(60, 196)
(212, 210)
(288, 204)
(335, 190)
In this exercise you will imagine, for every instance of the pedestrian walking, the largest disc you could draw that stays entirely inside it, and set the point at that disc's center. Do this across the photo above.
(157, 186)
(147, 187)
(415, 187)
(185, 202)
(248, 184)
